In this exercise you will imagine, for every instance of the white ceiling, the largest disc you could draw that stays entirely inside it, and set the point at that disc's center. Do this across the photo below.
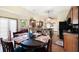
(38, 11)
(44, 9)
(54, 11)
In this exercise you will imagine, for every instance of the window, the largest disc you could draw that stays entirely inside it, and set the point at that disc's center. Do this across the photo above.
(6, 25)
(23, 23)
(13, 26)
(3, 28)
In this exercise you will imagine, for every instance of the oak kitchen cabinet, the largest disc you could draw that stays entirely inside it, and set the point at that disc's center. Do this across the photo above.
(70, 42)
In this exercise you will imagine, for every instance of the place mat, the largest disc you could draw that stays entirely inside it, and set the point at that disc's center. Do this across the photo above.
(43, 38)
(59, 42)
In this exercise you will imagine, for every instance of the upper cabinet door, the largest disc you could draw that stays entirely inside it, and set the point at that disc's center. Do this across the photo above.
(75, 15)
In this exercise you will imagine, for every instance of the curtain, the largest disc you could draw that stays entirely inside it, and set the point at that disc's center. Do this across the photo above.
(6, 25)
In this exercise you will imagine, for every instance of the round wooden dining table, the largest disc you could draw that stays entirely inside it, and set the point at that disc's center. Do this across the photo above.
(30, 43)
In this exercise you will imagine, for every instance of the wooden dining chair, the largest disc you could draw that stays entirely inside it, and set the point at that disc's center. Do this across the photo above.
(15, 34)
(45, 48)
(7, 46)
(49, 46)
(0, 40)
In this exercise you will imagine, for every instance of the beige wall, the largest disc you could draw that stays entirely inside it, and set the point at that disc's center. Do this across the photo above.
(7, 14)
(14, 16)
(19, 13)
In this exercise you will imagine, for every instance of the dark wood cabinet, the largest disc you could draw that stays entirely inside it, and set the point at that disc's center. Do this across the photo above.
(73, 14)
(70, 42)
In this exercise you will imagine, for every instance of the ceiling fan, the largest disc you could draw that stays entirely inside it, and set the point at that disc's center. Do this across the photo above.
(51, 17)
(49, 14)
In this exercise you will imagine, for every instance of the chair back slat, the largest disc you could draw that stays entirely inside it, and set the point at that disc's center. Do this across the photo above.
(7, 46)
(49, 46)
(19, 32)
